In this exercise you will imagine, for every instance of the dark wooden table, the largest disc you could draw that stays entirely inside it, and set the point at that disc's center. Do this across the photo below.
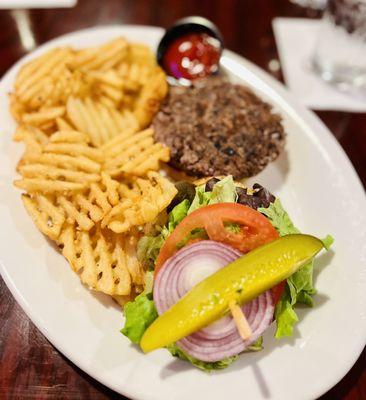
(30, 368)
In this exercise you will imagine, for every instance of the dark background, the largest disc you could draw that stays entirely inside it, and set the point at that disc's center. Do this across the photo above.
(30, 368)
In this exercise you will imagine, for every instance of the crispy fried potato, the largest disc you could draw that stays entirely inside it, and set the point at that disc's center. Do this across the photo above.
(104, 261)
(81, 163)
(44, 116)
(153, 92)
(48, 218)
(141, 54)
(69, 136)
(68, 170)
(39, 185)
(89, 207)
(75, 150)
(141, 203)
(101, 123)
(88, 169)
(54, 173)
(134, 153)
(102, 57)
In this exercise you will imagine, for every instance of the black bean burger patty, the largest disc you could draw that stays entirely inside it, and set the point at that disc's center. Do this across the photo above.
(218, 128)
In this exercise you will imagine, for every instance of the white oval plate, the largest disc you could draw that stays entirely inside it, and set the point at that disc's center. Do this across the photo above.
(323, 194)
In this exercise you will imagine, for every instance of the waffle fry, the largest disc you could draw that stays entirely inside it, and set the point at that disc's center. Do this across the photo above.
(46, 82)
(134, 153)
(39, 185)
(140, 204)
(69, 170)
(48, 218)
(24, 132)
(153, 92)
(44, 116)
(140, 54)
(69, 136)
(104, 261)
(81, 163)
(134, 75)
(54, 173)
(62, 124)
(75, 150)
(102, 57)
(101, 123)
(89, 207)
(88, 170)
(39, 71)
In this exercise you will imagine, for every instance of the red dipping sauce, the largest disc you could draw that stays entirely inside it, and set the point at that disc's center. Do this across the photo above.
(192, 56)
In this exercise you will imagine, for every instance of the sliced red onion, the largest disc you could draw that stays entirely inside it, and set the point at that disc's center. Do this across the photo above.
(184, 270)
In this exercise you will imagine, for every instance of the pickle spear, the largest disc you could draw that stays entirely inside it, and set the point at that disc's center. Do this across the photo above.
(240, 281)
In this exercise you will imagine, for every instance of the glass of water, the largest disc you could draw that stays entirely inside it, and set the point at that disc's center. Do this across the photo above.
(340, 53)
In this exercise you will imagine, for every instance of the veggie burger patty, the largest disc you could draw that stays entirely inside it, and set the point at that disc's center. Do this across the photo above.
(217, 128)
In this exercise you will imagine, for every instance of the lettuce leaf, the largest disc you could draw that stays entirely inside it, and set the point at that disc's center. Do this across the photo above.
(224, 191)
(256, 346)
(177, 214)
(204, 366)
(148, 248)
(201, 199)
(328, 241)
(139, 315)
(299, 287)
(279, 218)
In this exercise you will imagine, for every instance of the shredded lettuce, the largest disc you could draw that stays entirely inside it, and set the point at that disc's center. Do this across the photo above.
(149, 282)
(256, 346)
(299, 287)
(198, 233)
(139, 315)
(148, 248)
(205, 366)
(232, 227)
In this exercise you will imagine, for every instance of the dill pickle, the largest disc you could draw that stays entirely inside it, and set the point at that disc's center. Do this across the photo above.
(241, 281)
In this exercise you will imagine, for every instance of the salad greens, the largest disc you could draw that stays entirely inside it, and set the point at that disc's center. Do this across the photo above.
(223, 191)
(175, 351)
(299, 287)
(141, 312)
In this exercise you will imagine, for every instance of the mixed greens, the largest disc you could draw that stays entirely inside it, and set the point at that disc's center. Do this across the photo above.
(141, 312)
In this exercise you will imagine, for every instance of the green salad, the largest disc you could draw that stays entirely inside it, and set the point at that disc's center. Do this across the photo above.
(253, 216)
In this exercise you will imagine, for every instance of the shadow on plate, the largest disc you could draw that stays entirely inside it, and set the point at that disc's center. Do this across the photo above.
(273, 177)
(322, 262)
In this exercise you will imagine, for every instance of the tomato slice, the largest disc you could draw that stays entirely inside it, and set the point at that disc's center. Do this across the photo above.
(255, 229)
(277, 291)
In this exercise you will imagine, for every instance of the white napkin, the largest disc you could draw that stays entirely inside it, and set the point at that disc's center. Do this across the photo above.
(296, 38)
(10, 4)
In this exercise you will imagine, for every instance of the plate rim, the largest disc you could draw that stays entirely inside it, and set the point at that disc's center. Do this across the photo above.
(293, 105)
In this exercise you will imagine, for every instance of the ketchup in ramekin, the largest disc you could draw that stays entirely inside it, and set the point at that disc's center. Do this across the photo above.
(192, 56)
(190, 49)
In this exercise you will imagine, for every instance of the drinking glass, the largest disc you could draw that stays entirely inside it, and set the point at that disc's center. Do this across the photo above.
(340, 53)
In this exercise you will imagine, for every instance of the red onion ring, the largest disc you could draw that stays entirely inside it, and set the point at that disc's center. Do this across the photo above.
(184, 270)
